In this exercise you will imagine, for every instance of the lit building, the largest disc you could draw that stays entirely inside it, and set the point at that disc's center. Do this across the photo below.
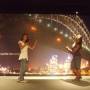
(53, 64)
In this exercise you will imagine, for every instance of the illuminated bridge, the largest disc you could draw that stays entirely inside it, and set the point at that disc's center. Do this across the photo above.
(72, 24)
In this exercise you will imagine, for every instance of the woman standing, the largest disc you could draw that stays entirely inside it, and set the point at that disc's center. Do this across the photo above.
(76, 62)
(23, 57)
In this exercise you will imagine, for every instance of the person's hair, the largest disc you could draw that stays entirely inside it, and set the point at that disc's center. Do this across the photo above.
(23, 36)
(80, 41)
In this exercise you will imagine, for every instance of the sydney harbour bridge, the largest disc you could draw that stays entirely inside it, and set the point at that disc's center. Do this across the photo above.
(74, 25)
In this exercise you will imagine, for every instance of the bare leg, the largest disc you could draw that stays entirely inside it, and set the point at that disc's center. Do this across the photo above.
(78, 76)
(74, 72)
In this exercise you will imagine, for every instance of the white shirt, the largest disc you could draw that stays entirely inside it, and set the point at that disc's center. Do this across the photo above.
(24, 51)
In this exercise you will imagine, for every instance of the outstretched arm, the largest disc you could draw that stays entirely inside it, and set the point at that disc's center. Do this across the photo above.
(73, 50)
(33, 45)
(76, 49)
(69, 49)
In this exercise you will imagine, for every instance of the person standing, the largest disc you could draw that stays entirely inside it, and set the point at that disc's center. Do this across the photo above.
(23, 57)
(76, 61)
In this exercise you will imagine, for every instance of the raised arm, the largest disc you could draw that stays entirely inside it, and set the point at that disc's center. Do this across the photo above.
(33, 45)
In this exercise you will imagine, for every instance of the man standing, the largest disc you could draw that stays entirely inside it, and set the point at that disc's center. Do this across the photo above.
(23, 57)
(76, 62)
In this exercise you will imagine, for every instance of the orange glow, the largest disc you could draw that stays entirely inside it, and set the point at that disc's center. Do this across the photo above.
(34, 29)
(58, 39)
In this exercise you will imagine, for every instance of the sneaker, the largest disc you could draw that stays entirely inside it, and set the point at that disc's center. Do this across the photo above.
(21, 81)
(78, 78)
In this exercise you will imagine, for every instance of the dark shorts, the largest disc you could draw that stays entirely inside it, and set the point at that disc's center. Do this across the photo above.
(76, 62)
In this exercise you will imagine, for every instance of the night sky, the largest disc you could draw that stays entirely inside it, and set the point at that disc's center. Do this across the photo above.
(11, 28)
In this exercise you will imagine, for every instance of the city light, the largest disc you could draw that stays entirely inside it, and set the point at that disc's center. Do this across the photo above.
(58, 39)
(34, 29)
(4, 70)
(30, 15)
(66, 35)
(61, 32)
(48, 25)
(77, 12)
(53, 64)
(53, 67)
(55, 29)
(40, 20)
(84, 63)
(69, 57)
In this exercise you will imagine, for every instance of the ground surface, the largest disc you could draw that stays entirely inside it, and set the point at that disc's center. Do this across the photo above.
(44, 83)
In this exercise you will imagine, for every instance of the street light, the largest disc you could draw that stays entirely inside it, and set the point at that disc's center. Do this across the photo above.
(58, 39)
(77, 12)
(30, 15)
(55, 29)
(34, 29)
(66, 35)
(61, 32)
(48, 25)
